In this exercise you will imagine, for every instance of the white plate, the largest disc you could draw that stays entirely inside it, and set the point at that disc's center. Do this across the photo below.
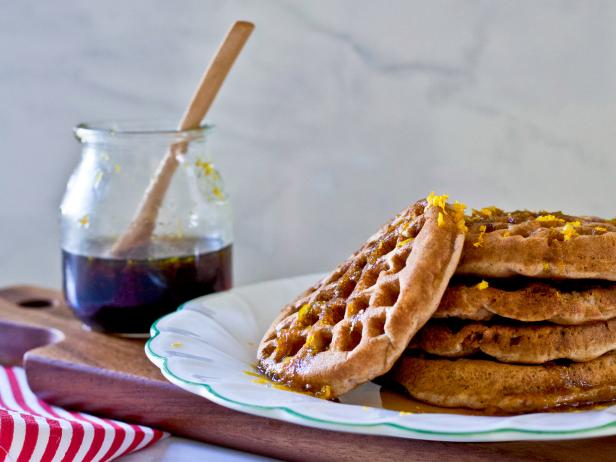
(209, 344)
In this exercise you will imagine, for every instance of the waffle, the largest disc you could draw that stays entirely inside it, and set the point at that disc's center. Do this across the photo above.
(541, 245)
(519, 342)
(565, 302)
(510, 388)
(355, 323)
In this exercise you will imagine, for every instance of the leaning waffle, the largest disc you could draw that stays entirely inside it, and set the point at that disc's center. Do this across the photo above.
(527, 343)
(354, 324)
(560, 302)
(542, 245)
(510, 388)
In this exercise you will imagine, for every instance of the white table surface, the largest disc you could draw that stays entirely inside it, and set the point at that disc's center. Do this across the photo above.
(182, 450)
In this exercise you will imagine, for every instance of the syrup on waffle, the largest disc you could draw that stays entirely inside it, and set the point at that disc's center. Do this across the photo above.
(507, 388)
(353, 325)
(541, 245)
(529, 343)
(561, 302)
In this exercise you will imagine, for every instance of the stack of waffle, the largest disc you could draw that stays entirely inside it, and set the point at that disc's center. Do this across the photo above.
(528, 323)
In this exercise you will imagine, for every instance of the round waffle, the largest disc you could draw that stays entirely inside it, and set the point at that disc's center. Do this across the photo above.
(542, 245)
(519, 342)
(565, 302)
(510, 388)
(355, 323)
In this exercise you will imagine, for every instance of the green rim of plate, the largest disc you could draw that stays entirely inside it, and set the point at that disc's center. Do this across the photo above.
(165, 369)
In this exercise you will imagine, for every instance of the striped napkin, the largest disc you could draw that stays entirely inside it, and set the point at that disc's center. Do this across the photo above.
(32, 430)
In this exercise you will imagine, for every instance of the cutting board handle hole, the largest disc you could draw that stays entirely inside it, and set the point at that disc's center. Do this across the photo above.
(36, 303)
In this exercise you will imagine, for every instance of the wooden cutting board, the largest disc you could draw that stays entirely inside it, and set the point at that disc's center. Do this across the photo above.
(112, 377)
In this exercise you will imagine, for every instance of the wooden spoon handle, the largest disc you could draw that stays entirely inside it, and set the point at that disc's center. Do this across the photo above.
(215, 74)
(139, 231)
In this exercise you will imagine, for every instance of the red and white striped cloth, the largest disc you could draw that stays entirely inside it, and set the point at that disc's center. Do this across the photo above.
(32, 430)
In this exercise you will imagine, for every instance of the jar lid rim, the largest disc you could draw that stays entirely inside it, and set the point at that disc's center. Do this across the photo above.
(140, 127)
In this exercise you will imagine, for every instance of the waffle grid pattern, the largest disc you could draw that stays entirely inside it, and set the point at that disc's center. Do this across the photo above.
(348, 308)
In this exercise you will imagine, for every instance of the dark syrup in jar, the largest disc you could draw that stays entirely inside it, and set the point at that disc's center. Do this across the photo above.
(127, 295)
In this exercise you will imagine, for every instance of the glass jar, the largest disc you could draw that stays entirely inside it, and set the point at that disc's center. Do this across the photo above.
(189, 253)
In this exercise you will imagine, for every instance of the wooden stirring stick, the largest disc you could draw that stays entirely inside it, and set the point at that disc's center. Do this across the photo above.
(139, 231)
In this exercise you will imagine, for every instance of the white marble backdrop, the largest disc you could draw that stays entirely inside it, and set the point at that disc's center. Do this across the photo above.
(337, 114)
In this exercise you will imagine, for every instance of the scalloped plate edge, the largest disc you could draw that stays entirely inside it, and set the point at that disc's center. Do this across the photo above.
(288, 414)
